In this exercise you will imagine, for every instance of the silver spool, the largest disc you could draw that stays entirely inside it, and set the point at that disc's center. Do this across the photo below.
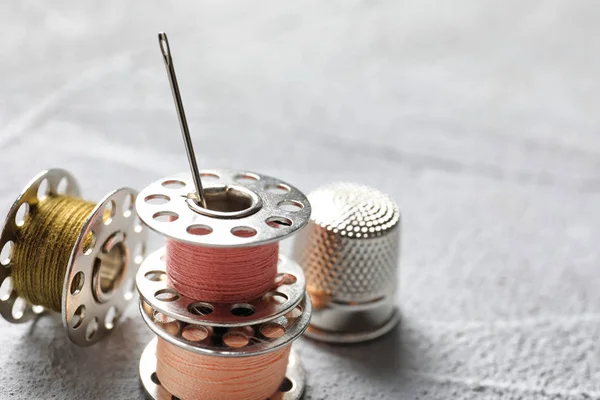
(155, 288)
(350, 253)
(111, 243)
(243, 209)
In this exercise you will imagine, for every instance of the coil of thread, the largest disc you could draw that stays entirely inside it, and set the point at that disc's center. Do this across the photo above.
(226, 306)
(44, 247)
(69, 255)
(224, 272)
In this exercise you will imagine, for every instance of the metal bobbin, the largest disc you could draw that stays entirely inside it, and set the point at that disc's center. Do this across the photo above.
(226, 209)
(349, 253)
(267, 210)
(91, 305)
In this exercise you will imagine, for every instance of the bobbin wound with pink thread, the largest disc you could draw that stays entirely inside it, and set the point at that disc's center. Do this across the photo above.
(225, 305)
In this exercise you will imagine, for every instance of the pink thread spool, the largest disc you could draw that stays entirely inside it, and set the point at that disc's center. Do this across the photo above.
(219, 295)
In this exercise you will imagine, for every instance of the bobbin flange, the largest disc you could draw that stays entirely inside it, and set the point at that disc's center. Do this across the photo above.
(251, 208)
(99, 277)
(291, 388)
(156, 289)
(253, 339)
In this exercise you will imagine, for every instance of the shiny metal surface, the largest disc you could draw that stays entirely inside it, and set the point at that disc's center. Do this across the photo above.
(87, 315)
(165, 49)
(295, 374)
(102, 312)
(291, 325)
(274, 211)
(352, 326)
(350, 253)
(155, 288)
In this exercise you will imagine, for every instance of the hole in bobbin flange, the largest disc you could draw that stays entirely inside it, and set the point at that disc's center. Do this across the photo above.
(166, 295)
(272, 330)
(278, 189)
(112, 315)
(22, 214)
(129, 286)
(78, 317)
(196, 333)
(237, 337)
(92, 329)
(128, 205)
(43, 189)
(18, 309)
(63, 186)
(109, 212)
(242, 310)
(157, 199)
(290, 205)
(286, 385)
(173, 184)
(243, 231)
(165, 216)
(209, 176)
(247, 178)
(6, 289)
(200, 308)
(199, 230)
(285, 278)
(77, 283)
(275, 298)
(6, 253)
(295, 313)
(278, 222)
(154, 378)
(89, 242)
(155, 276)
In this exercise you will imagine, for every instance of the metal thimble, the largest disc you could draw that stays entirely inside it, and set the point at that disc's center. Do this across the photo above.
(350, 252)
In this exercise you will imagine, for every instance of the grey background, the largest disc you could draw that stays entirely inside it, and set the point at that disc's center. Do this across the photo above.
(480, 118)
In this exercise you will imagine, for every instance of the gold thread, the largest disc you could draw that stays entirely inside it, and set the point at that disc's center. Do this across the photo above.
(43, 248)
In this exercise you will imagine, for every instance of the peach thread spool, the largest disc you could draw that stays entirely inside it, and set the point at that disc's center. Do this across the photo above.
(91, 269)
(223, 332)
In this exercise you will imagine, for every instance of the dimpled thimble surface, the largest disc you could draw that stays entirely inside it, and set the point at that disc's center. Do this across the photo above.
(350, 253)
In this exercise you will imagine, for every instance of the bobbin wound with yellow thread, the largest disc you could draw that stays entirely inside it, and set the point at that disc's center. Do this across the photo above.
(61, 253)
(244, 210)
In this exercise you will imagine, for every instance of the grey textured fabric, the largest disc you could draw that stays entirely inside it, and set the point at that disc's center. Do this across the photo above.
(480, 118)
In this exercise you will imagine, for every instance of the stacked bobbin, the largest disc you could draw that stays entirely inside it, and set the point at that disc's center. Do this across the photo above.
(224, 304)
(64, 254)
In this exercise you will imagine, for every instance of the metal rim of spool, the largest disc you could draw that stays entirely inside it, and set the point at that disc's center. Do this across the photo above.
(101, 312)
(154, 287)
(275, 209)
(54, 179)
(14, 308)
(171, 330)
(294, 374)
(352, 337)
